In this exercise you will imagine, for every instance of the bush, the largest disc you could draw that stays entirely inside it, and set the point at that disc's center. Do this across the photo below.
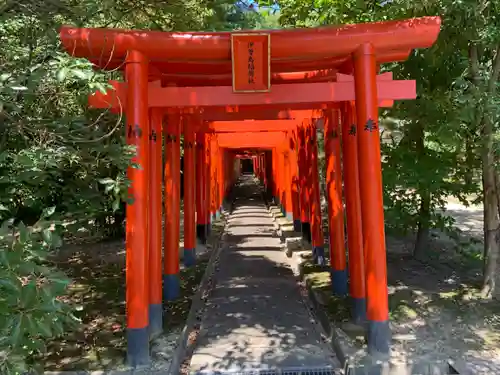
(32, 307)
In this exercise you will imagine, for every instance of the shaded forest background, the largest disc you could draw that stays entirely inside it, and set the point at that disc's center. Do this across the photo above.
(62, 166)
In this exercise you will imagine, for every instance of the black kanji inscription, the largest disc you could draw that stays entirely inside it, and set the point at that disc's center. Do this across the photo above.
(370, 125)
(352, 130)
(251, 64)
(134, 131)
(302, 142)
(153, 136)
(188, 144)
(171, 138)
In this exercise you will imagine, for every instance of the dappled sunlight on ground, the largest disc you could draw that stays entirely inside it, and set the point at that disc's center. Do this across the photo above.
(98, 287)
(430, 320)
(435, 307)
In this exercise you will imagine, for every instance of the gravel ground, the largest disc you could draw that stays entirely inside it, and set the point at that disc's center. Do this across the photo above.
(97, 271)
(436, 311)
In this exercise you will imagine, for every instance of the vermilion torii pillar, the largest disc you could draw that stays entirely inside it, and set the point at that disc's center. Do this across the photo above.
(372, 206)
(303, 189)
(155, 225)
(311, 69)
(213, 178)
(201, 187)
(189, 172)
(136, 74)
(287, 171)
(353, 213)
(294, 178)
(335, 205)
(318, 242)
(208, 182)
(172, 173)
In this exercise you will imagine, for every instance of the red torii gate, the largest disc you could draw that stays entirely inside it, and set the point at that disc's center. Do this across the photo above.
(330, 70)
(251, 126)
(297, 95)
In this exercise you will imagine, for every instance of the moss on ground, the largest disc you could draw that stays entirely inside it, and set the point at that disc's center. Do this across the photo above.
(318, 278)
(176, 312)
(462, 304)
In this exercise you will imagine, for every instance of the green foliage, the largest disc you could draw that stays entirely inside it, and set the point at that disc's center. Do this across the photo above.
(31, 305)
(234, 18)
(432, 150)
(52, 154)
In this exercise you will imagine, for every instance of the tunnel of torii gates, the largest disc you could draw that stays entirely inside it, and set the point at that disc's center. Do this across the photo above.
(261, 95)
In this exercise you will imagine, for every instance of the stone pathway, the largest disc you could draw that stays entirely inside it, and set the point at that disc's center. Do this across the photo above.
(256, 317)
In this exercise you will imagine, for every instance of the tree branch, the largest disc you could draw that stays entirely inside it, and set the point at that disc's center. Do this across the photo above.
(474, 64)
(495, 71)
(476, 80)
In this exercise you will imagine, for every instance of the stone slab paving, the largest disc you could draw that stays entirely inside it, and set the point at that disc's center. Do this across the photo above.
(256, 317)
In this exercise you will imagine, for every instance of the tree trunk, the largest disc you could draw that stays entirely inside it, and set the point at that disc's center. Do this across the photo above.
(423, 231)
(424, 213)
(491, 218)
(490, 187)
(469, 160)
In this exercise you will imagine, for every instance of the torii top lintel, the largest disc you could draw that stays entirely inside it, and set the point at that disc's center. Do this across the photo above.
(204, 59)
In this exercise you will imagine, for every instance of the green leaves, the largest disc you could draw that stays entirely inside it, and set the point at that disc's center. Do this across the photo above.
(117, 189)
(73, 69)
(434, 148)
(62, 74)
(29, 310)
(47, 212)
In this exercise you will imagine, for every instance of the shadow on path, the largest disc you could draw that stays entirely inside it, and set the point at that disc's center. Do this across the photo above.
(256, 317)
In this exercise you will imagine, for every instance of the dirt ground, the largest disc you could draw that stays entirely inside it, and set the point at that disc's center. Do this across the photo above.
(435, 309)
(99, 287)
(98, 272)
(98, 279)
